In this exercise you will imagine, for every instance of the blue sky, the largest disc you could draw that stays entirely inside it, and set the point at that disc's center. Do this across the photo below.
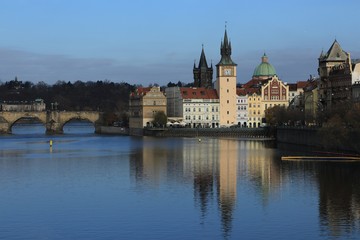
(146, 42)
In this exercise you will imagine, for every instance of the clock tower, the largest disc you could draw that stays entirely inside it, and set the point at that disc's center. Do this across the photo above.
(225, 84)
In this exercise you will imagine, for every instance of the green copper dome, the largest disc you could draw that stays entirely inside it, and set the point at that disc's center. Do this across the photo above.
(265, 69)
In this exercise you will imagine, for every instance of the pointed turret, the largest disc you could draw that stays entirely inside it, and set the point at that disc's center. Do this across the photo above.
(225, 51)
(203, 62)
(335, 53)
(203, 74)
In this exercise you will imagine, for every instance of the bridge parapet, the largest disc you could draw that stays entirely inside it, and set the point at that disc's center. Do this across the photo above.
(54, 121)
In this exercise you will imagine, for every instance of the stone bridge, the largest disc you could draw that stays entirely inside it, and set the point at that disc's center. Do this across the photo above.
(54, 121)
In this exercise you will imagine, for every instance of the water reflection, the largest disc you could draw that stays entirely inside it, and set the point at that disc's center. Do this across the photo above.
(216, 166)
(339, 198)
(212, 164)
(338, 189)
(213, 189)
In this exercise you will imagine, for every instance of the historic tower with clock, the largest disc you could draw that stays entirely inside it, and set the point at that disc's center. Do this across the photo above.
(225, 84)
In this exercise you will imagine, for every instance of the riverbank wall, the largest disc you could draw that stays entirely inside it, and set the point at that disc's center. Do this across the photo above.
(112, 130)
(248, 133)
(299, 136)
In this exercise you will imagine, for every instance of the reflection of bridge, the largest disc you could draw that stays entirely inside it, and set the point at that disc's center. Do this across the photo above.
(54, 121)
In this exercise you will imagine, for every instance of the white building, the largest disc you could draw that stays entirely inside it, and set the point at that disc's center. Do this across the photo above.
(242, 110)
(195, 107)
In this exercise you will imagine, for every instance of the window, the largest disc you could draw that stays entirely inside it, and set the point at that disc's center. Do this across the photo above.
(228, 112)
(227, 101)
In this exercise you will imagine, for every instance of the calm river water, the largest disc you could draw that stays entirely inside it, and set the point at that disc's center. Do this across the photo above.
(90, 186)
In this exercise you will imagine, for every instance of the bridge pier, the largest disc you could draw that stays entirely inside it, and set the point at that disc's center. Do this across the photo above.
(53, 123)
(4, 128)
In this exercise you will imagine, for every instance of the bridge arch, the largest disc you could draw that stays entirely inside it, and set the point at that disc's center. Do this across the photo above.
(8, 119)
(57, 120)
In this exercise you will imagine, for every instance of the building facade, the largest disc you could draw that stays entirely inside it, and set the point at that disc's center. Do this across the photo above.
(194, 107)
(242, 109)
(335, 76)
(265, 90)
(36, 106)
(225, 84)
(143, 105)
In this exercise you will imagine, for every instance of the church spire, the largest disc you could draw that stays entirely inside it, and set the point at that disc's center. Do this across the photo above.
(203, 74)
(203, 62)
(225, 51)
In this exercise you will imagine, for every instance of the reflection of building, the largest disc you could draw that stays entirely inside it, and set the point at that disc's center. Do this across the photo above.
(153, 161)
(227, 181)
(261, 166)
(143, 105)
(339, 199)
(203, 74)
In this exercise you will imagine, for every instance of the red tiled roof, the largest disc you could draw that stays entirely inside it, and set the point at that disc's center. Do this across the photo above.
(301, 84)
(248, 91)
(142, 90)
(198, 93)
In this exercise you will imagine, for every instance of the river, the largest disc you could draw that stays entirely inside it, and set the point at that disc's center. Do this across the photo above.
(89, 186)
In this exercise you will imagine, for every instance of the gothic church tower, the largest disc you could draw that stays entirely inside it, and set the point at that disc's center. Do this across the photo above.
(203, 74)
(225, 83)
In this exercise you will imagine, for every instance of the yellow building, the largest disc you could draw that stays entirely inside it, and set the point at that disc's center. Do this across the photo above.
(143, 105)
(264, 90)
(225, 84)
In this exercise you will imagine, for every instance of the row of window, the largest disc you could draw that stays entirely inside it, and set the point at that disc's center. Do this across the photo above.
(188, 117)
(213, 109)
(270, 105)
(254, 119)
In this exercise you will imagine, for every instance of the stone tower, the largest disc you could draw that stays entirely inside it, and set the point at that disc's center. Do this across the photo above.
(203, 75)
(225, 83)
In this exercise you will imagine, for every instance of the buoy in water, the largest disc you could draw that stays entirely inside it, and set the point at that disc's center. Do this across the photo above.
(199, 139)
(50, 143)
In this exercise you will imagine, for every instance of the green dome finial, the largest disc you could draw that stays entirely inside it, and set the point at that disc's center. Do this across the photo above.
(265, 69)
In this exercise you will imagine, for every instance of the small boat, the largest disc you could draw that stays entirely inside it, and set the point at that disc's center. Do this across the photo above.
(322, 158)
